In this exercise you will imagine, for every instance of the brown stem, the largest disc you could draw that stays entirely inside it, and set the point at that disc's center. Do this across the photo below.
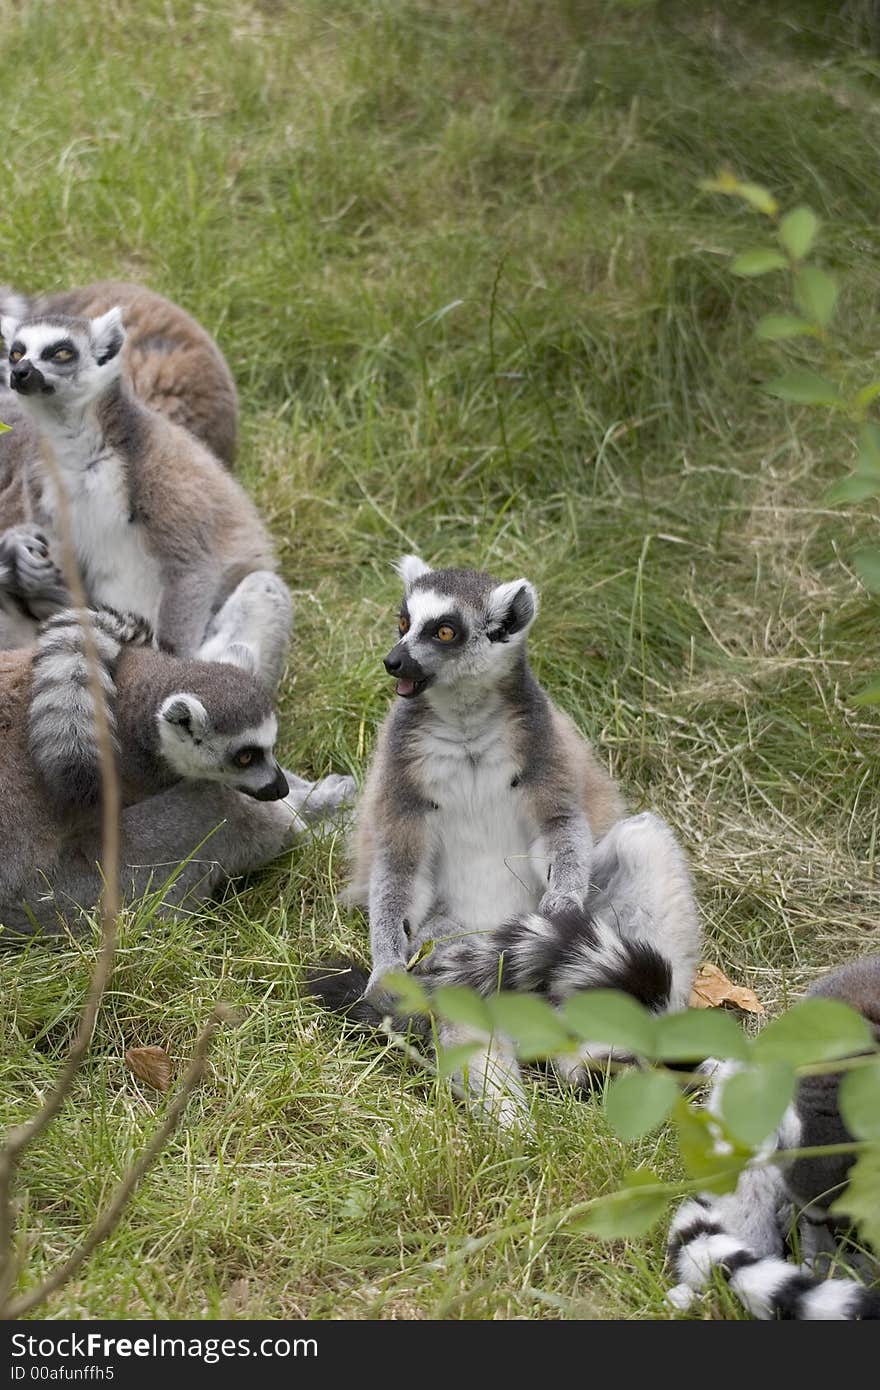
(17, 1307)
(22, 1136)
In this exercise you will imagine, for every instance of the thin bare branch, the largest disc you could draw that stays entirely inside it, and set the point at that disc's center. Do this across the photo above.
(108, 1219)
(22, 1136)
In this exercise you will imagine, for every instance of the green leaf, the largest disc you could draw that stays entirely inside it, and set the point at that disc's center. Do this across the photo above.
(426, 949)
(607, 1016)
(453, 1059)
(804, 388)
(758, 261)
(4, 428)
(867, 567)
(629, 1212)
(859, 1100)
(696, 1034)
(639, 1101)
(774, 327)
(754, 1101)
(814, 1030)
(752, 193)
(869, 694)
(536, 1027)
(464, 1006)
(861, 1200)
(815, 294)
(717, 1172)
(409, 993)
(855, 487)
(868, 456)
(797, 232)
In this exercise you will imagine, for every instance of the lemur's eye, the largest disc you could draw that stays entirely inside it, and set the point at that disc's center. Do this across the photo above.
(446, 633)
(62, 355)
(16, 355)
(403, 624)
(245, 756)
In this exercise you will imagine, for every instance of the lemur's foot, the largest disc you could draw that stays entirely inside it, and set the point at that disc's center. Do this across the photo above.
(315, 801)
(253, 627)
(30, 571)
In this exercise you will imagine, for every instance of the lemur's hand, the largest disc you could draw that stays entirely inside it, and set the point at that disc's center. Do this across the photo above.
(30, 571)
(555, 901)
(376, 993)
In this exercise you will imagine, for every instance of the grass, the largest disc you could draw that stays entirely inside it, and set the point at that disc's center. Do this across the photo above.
(477, 306)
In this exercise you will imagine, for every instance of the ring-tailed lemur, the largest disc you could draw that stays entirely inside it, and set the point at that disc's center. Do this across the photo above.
(481, 806)
(743, 1234)
(639, 932)
(194, 744)
(172, 364)
(160, 528)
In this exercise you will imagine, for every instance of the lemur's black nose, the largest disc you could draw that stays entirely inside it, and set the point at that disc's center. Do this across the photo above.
(25, 377)
(393, 662)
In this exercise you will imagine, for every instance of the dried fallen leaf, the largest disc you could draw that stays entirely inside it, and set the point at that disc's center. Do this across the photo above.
(712, 989)
(150, 1064)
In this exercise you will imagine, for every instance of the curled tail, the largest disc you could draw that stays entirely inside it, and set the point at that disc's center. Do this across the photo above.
(556, 955)
(701, 1241)
(61, 731)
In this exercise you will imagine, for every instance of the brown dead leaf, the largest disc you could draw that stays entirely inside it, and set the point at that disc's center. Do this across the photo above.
(150, 1064)
(712, 989)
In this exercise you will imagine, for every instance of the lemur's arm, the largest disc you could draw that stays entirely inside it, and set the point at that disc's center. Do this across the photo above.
(188, 601)
(568, 841)
(400, 895)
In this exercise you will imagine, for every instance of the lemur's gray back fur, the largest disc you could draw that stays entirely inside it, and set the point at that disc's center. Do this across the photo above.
(62, 735)
(743, 1234)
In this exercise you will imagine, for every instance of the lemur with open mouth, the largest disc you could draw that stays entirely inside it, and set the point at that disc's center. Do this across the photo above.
(487, 822)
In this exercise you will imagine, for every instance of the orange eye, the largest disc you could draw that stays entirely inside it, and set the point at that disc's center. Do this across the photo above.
(62, 355)
(446, 633)
(403, 624)
(245, 757)
(16, 356)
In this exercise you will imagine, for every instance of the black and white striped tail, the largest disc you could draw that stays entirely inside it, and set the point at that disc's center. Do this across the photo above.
(61, 718)
(766, 1285)
(555, 955)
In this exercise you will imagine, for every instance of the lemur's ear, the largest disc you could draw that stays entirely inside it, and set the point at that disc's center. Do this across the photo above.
(410, 568)
(512, 609)
(241, 655)
(108, 334)
(185, 714)
(8, 328)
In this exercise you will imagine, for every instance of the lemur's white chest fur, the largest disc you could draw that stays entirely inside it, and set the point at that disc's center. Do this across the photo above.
(485, 848)
(117, 566)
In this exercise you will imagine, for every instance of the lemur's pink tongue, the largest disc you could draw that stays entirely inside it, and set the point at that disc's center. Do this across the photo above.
(405, 687)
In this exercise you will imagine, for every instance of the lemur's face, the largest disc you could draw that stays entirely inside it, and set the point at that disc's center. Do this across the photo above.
(457, 627)
(203, 739)
(60, 361)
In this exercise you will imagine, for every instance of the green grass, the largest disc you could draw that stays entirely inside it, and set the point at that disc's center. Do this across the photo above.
(477, 306)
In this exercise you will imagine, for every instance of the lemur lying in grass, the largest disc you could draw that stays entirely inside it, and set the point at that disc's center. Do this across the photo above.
(744, 1234)
(489, 826)
(204, 798)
